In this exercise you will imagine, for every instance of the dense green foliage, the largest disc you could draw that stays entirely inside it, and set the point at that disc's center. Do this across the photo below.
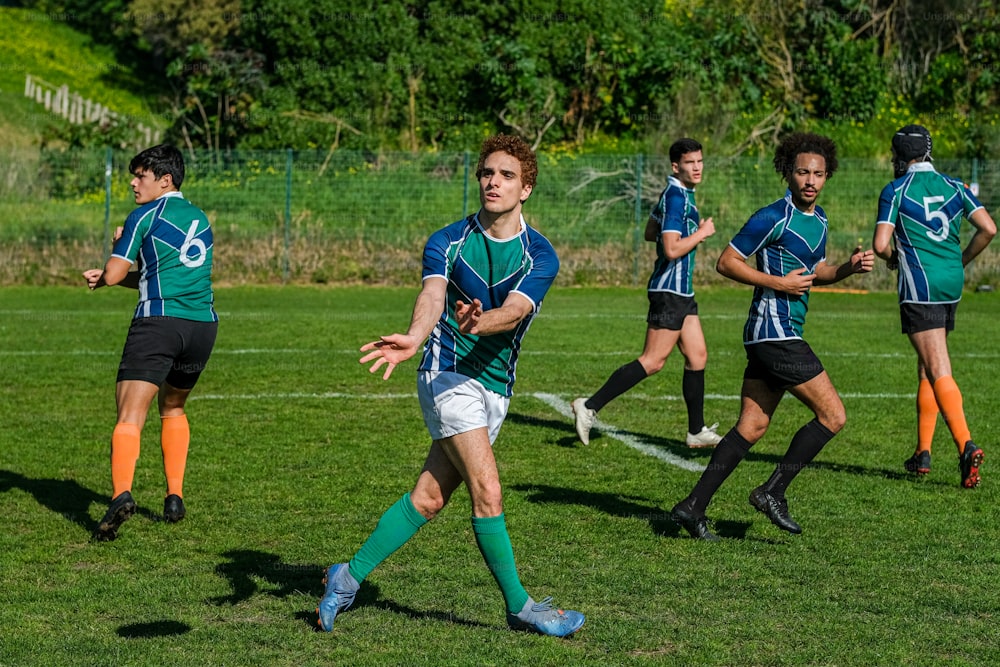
(296, 451)
(594, 74)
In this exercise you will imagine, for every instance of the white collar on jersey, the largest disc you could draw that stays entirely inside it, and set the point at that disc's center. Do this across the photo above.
(676, 181)
(920, 166)
(524, 226)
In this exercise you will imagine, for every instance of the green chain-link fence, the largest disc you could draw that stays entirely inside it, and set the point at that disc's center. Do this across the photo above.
(322, 216)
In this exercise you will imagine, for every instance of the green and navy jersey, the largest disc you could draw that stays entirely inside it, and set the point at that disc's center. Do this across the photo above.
(784, 239)
(170, 241)
(677, 213)
(478, 266)
(926, 209)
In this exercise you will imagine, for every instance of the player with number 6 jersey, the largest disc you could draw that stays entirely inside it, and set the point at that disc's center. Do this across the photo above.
(169, 241)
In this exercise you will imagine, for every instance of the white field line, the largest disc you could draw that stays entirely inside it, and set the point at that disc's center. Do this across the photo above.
(116, 351)
(564, 408)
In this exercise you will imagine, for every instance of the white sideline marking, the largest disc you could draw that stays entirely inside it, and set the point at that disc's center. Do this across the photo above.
(116, 351)
(564, 408)
(282, 396)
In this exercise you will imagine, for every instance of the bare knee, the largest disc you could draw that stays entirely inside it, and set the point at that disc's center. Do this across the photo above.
(487, 500)
(652, 365)
(833, 420)
(696, 359)
(427, 503)
(752, 430)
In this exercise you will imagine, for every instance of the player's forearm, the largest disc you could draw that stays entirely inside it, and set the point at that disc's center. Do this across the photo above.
(827, 275)
(427, 311)
(734, 267)
(977, 244)
(500, 320)
(679, 247)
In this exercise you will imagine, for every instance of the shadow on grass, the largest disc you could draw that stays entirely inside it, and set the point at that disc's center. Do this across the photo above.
(65, 497)
(244, 568)
(676, 447)
(153, 629)
(680, 449)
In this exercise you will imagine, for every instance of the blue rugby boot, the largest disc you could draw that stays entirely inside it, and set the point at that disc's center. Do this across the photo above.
(542, 618)
(340, 591)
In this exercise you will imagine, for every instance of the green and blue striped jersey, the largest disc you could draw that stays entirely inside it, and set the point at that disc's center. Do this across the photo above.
(170, 240)
(676, 212)
(478, 266)
(783, 239)
(926, 209)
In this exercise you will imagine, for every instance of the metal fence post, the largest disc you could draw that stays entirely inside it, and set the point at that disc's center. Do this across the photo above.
(465, 187)
(288, 213)
(636, 233)
(108, 163)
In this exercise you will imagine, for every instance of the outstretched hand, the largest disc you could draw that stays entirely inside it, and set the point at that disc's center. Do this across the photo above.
(389, 351)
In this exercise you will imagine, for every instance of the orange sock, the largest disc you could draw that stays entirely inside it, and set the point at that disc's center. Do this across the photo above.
(175, 436)
(949, 399)
(124, 454)
(927, 414)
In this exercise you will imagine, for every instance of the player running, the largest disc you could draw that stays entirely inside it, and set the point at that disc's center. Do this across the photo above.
(672, 320)
(788, 238)
(918, 232)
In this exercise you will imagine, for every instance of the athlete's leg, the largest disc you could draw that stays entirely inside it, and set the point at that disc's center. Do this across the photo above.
(658, 345)
(758, 403)
(472, 455)
(927, 411)
(932, 352)
(175, 436)
(820, 396)
(692, 345)
(133, 398)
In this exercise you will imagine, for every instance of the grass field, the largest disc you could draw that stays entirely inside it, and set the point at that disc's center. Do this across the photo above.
(297, 450)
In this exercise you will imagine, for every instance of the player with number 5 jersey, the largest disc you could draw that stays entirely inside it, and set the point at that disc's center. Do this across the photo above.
(173, 330)
(924, 210)
(920, 213)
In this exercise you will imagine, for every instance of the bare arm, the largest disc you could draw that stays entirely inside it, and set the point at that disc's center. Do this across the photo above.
(861, 261)
(674, 246)
(652, 232)
(735, 267)
(472, 319)
(882, 245)
(986, 229)
(116, 272)
(394, 349)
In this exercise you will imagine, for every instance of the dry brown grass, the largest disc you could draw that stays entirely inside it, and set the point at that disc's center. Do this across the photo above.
(358, 262)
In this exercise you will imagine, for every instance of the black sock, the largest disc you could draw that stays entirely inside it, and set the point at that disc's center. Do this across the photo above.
(806, 444)
(620, 381)
(727, 455)
(693, 388)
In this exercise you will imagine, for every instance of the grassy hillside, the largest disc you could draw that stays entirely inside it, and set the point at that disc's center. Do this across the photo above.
(44, 46)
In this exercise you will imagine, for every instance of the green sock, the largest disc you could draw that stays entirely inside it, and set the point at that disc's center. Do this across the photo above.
(399, 523)
(494, 544)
